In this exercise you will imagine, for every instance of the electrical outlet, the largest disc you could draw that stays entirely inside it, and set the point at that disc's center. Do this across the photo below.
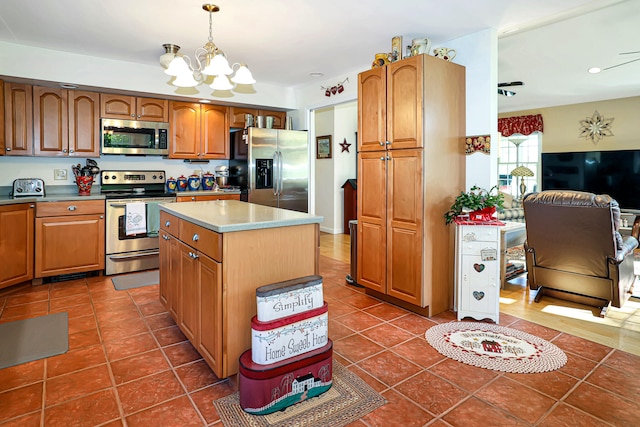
(60, 174)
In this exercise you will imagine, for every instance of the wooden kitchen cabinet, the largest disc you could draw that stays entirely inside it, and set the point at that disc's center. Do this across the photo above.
(84, 123)
(198, 131)
(169, 263)
(16, 243)
(69, 237)
(18, 123)
(66, 122)
(113, 106)
(237, 117)
(191, 284)
(205, 197)
(410, 165)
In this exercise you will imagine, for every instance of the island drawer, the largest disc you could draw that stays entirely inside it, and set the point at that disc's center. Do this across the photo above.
(69, 207)
(206, 241)
(169, 223)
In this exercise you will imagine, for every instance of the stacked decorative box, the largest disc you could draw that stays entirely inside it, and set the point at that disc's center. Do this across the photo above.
(290, 356)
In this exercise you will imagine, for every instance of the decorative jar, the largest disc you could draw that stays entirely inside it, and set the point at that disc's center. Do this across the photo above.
(193, 182)
(171, 185)
(208, 181)
(182, 183)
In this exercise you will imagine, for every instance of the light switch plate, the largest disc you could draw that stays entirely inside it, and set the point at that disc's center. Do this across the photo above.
(60, 174)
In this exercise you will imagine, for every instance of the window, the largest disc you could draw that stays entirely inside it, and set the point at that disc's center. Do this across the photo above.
(519, 150)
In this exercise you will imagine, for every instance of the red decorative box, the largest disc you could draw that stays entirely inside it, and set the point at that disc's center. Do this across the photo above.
(264, 389)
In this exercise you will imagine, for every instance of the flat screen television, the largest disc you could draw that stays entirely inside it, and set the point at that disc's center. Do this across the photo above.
(616, 173)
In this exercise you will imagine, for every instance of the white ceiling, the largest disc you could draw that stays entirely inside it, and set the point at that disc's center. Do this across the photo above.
(283, 41)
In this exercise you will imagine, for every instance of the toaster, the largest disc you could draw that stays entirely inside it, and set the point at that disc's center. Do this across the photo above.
(28, 187)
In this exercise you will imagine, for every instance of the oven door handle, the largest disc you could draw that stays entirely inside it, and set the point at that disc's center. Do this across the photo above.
(134, 256)
(117, 205)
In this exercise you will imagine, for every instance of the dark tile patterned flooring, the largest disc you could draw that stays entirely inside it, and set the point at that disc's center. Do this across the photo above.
(129, 365)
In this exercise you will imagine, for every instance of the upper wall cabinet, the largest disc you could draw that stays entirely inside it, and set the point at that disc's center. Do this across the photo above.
(238, 117)
(18, 123)
(65, 122)
(390, 106)
(133, 108)
(198, 131)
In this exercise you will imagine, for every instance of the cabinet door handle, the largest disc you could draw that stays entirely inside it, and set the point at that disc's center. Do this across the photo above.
(195, 237)
(101, 216)
(381, 143)
(64, 150)
(387, 142)
(382, 158)
(8, 148)
(193, 199)
(167, 224)
(32, 206)
(133, 115)
(72, 208)
(71, 151)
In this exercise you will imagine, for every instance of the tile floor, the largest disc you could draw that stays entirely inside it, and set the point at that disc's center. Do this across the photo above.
(129, 365)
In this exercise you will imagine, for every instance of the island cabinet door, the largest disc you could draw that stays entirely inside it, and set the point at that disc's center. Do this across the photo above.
(165, 268)
(188, 286)
(210, 343)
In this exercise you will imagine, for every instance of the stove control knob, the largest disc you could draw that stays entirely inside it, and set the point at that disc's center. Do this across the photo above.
(154, 177)
(160, 177)
(38, 189)
(105, 177)
(113, 177)
(19, 190)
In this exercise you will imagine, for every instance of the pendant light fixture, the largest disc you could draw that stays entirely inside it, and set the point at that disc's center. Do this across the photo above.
(209, 61)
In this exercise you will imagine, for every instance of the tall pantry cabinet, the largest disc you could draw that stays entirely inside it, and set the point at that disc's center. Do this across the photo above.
(411, 164)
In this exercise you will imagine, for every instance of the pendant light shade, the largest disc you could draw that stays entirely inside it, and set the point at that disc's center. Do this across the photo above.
(221, 82)
(243, 76)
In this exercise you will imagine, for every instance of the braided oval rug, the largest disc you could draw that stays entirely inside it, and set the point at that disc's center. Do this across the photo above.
(495, 347)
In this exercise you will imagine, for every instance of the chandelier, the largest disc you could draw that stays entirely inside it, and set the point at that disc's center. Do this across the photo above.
(209, 61)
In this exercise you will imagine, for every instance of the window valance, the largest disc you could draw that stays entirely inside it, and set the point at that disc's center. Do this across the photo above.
(524, 125)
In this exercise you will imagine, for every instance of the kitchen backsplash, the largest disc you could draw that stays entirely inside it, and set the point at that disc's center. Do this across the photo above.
(12, 167)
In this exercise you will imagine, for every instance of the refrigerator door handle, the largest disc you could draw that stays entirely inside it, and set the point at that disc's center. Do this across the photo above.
(276, 177)
(280, 169)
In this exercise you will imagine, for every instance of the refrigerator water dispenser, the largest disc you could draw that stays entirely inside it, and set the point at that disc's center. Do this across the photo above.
(264, 173)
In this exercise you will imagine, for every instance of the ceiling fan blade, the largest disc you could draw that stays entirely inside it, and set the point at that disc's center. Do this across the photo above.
(508, 84)
(505, 92)
(624, 63)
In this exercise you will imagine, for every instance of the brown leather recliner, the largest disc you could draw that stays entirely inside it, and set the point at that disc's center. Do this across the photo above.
(574, 250)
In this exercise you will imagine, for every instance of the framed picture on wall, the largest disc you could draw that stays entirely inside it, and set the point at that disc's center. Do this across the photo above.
(323, 147)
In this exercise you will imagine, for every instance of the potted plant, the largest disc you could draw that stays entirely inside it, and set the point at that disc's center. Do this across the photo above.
(479, 203)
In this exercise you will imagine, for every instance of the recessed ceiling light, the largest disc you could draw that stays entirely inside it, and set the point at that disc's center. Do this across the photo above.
(316, 74)
(206, 101)
(594, 70)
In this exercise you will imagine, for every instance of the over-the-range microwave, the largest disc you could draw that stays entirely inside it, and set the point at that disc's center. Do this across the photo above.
(135, 137)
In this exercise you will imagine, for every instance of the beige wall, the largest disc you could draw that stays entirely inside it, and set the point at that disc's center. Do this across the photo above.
(562, 125)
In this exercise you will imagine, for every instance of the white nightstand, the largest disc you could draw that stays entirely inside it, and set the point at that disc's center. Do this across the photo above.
(478, 271)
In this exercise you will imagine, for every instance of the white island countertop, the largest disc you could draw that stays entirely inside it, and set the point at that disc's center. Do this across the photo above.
(224, 216)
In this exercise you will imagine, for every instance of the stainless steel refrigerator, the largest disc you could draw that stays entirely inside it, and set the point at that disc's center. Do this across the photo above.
(276, 169)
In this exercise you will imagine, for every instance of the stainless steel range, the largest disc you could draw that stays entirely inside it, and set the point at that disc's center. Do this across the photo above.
(133, 195)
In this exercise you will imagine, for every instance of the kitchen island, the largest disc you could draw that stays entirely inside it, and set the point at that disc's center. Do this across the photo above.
(213, 256)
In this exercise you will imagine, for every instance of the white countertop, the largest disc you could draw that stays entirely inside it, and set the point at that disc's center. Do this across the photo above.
(224, 216)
